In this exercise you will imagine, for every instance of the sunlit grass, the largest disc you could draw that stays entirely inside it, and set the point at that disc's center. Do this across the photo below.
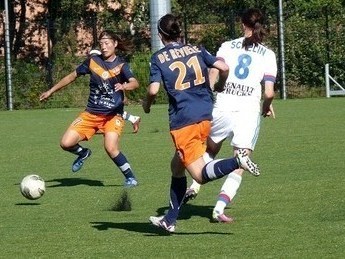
(295, 209)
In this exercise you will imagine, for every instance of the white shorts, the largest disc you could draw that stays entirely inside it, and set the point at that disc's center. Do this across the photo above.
(242, 128)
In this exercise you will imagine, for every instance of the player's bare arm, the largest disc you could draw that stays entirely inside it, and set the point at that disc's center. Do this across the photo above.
(152, 91)
(213, 76)
(223, 73)
(267, 107)
(62, 83)
(131, 85)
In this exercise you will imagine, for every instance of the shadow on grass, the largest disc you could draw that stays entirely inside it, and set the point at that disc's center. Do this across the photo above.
(28, 204)
(189, 210)
(146, 228)
(68, 182)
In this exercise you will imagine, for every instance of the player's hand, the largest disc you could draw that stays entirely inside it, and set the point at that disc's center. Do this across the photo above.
(218, 88)
(119, 87)
(45, 95)
(268, 112)
(145, 106)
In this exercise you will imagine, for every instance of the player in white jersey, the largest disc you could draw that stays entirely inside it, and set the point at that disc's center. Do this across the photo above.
(236, 113)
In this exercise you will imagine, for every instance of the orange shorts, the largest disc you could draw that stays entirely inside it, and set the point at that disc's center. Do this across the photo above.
(88, 124)
(190, 141)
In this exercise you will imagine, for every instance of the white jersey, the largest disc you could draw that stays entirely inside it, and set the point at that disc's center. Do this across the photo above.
(248, 68)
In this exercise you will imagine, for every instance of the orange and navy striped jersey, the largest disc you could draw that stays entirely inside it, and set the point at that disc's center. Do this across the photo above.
(103, 76)
(183, 69)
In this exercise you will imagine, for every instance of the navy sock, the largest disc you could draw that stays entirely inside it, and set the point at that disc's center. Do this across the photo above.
(76, 149)
(122, 163)
(178, 189)
(218, 168)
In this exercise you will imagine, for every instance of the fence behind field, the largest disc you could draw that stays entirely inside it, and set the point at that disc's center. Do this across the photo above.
(48, 45)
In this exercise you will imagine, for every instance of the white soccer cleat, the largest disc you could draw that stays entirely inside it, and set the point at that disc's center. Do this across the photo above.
(247, 164)
(190, 195)
(161, 223)
(221, 217)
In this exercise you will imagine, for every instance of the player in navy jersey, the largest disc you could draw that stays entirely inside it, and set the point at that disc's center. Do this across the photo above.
(135, 120)
(183, 69)
(110, 76)
(236, 112)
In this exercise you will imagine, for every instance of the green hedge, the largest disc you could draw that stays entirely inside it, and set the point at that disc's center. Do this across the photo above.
(29, 80)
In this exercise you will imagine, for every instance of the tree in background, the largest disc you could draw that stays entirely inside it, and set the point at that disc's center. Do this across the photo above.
(314, 34)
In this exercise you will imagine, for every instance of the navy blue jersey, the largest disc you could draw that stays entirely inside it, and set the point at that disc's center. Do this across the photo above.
(103, 76)
(183, 69)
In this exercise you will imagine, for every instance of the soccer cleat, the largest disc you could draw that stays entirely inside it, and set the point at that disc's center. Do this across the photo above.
(78, 163)
(135, 124)
(190, 195)
(222, 218)
(161, 223)
(247, 164)
(130, 182)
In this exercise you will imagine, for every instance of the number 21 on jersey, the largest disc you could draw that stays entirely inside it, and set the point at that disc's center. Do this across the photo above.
(193, 62)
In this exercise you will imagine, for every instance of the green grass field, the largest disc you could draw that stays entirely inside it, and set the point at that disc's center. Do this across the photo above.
(295, 209)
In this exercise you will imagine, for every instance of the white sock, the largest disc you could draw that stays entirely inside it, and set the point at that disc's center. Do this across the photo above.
(132, 118)
(125, 115)
(228, 191)
(129, 117)
(195, 186)
(207, 158)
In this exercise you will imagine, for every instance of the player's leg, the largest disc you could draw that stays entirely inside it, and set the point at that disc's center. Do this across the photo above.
(211, 151)
(135, 120)
(226, 195)
(228, 191)
(178, 188)
(215, 169)
(79, 130)
(245, 135)
(201, 173)
(220, 130)
(189, 142)
(113, 129)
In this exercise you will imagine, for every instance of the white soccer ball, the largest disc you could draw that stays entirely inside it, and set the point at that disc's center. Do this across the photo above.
(32, 187)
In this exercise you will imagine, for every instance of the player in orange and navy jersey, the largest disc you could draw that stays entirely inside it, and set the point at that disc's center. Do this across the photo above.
(110, 76)
(183, 69)
(135, 120)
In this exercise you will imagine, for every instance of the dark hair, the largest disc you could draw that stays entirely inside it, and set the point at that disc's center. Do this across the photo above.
(122, 44)
(169, 27)
(253, 19)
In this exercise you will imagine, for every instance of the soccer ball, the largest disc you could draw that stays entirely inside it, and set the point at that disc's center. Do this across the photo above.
(32, 187)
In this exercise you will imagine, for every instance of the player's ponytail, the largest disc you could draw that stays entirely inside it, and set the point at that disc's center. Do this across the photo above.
(253, 19)
(169, 27)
